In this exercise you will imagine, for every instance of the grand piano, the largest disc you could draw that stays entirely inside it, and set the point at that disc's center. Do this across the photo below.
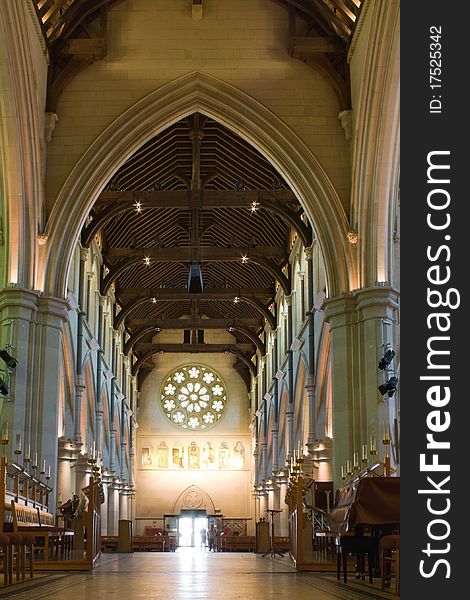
(365, 509)
(372, 502)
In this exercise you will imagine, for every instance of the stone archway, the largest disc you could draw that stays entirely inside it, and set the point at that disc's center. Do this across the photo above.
(237, 111)
(193, 498)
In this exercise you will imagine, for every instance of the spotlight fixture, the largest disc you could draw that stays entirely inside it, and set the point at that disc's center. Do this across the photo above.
(138, 206)
(254, 206)
(239, 184)
(236, 299)
(389, 387)
(244, 258)
(387, 359)
(3, 387)
(147, 261)
(154, 300)
(10, 361)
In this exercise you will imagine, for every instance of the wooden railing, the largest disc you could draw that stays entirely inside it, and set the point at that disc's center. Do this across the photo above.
(26, 510)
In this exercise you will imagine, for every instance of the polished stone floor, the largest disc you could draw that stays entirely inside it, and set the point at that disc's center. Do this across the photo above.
(193, 574)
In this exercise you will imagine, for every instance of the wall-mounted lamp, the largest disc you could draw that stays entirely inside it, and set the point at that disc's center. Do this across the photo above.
(389, 387)
(8, 359)
(384, 362)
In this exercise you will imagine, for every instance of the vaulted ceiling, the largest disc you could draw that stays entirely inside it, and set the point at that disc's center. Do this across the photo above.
(196, 199)
(319, 34)
(196, 196)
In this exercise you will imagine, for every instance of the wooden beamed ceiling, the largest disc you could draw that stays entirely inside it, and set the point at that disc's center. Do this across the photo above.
(196, 194)
(76, 35)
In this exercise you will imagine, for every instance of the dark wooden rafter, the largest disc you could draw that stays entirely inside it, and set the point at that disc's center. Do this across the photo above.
(196, 349)
(111, 204)
(230, 326)
(327, 27)
(167, 294)
(260, 256)
(184, 199)
(72, 45)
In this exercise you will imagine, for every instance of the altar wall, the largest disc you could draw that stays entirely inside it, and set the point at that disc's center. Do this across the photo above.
(208, 469)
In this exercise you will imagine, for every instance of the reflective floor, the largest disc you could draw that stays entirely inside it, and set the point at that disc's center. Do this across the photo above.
(193, 574)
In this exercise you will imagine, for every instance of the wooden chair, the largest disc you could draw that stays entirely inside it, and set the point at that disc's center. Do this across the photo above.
(6, 545)
(390, 548)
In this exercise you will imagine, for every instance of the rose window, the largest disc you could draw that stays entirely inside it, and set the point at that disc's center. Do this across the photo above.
(193, 397)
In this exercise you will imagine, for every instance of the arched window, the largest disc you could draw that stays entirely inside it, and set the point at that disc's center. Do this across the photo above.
(193, 397)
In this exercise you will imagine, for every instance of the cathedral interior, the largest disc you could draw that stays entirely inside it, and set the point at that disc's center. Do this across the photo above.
(199, 298)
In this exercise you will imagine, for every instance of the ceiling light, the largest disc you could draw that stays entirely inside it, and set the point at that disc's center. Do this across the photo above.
(240, 184)
(147, 261)
(254, 206)
(236, 299)
(244, 258)
(138, 206)
(154, 300)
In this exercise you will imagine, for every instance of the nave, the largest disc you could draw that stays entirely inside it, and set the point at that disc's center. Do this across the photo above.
(196, 574)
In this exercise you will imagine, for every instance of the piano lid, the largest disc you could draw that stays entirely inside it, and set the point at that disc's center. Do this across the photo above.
(367, 501)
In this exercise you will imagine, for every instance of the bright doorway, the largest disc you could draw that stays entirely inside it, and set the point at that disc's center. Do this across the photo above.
(192, 527)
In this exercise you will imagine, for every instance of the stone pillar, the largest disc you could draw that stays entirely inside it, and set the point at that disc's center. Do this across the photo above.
(68, 454)
(107, 481)
(275, 400)
(284, 516)
(18, 311)
(356, 323)
(82, 473)
(113, 506)
(80, 380)
(123, 504)
(263, 505)
(99, 401)
(290, 446)
(31, 327)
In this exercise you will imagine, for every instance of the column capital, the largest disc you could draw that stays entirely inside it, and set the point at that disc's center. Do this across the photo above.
(309, 252)
(83, 254)
(19, 302)
(54, 310)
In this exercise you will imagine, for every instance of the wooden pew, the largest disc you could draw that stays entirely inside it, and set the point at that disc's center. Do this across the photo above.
(109, 543)
(145, 543)
(237, 543)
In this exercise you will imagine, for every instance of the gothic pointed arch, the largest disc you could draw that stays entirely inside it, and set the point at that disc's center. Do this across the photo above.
(193, 498)
(237, 111)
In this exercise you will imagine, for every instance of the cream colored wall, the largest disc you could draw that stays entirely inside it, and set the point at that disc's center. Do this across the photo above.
(152, 42)
(158, 490)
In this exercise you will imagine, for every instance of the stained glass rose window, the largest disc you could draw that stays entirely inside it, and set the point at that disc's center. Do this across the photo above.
(193, 397)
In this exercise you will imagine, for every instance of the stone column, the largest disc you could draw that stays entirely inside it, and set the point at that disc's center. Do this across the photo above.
(79, 379)
(284, 516)
(107, 481)
(82, 473)
(68, 454)
(113, 506)
(99, 415)
(355, 322)
(290, 383)
(123, 504)
(18, 331)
